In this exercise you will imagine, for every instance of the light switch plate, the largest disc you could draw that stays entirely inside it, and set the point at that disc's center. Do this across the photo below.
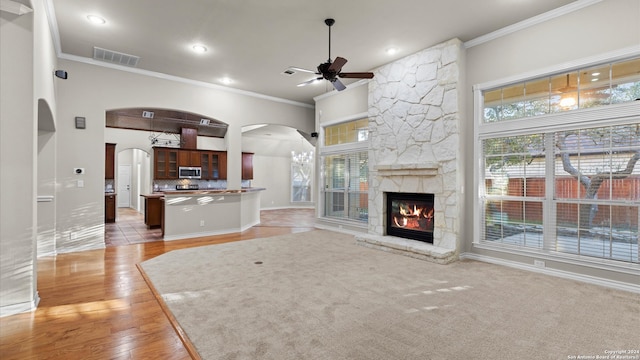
(80, 183)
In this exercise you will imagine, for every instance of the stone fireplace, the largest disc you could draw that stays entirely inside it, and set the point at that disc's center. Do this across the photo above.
(414, 117)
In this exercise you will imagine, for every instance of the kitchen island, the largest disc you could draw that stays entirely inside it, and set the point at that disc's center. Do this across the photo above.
(197, 213)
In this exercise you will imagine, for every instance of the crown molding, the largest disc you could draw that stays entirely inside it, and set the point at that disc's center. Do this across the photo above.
(163, 76)
(55, 35)
(561, 11)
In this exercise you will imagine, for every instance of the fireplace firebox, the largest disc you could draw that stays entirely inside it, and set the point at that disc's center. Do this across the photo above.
(410, 216)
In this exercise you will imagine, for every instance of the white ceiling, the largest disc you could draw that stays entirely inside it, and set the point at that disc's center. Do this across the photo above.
(254, 41)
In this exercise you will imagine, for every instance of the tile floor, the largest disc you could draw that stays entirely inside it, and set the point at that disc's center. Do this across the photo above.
(129, 227)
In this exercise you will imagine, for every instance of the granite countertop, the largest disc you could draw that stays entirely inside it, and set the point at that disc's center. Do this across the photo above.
(154, 195)
(201, 192)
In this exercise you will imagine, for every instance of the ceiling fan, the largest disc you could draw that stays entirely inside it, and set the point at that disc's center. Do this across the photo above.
(331, 70)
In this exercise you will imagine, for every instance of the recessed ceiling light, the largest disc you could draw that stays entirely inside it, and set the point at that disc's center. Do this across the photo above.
(95, 19)
(595, 74)
(226, 80)
(594, 79)
(199, 48)
(391, 51)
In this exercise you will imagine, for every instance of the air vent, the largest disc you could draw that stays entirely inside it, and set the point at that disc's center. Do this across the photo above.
(115, 57)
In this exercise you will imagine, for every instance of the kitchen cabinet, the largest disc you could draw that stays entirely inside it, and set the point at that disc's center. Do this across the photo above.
(189, 158)
(165, 163)
(247, 166)
(189, 138)
(214, 165)
(109, 208)
(109, 161)
(152, 211)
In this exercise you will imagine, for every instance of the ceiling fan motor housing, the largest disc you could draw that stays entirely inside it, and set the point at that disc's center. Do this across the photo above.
(331, 70)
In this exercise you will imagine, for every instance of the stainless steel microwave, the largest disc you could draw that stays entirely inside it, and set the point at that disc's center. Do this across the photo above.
(189, 172)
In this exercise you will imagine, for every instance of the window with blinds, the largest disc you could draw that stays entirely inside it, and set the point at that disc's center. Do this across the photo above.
(514, 189)
(597, 191)
(346, 186)
(573, 191)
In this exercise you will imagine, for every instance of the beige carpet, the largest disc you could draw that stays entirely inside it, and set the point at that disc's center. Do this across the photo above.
(318, 295)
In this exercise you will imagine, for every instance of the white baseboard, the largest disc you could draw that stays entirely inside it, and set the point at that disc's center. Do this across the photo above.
(14, 309)
(554, 272)
(210, 233)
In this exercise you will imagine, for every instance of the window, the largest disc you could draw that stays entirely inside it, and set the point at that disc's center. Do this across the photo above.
(345, 171)
(590, 87)
(562, 185)
(301, 175)
(346, 186)
(349, 132)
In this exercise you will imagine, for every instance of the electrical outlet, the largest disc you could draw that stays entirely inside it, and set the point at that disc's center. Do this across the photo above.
(201, 222)
(538, 263)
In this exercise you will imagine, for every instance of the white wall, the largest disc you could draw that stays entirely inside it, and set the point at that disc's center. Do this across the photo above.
(91, 90)
(26, 56)
(272, 168)
(338, 106)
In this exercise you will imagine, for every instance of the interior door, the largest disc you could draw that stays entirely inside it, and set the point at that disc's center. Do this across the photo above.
(124, 186)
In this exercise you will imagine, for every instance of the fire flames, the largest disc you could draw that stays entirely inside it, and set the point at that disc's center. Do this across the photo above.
(414, 217)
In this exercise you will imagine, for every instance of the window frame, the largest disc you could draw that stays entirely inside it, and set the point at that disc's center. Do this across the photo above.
(338, 149)
(613, 114)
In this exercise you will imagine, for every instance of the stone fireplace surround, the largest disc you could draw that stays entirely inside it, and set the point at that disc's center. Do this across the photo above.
(414, 116)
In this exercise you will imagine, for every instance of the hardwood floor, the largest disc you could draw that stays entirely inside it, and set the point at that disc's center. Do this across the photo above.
(96, 305)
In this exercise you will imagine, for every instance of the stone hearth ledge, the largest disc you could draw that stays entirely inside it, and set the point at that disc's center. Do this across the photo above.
(412, 248)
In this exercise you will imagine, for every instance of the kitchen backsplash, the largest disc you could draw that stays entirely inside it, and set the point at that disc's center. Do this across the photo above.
(166, 185)
(109, 186)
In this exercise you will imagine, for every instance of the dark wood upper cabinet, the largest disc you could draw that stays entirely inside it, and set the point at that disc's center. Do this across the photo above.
(109, 161)
(189, 158)
(247, 166)
(214, 165)
(165, 163)
(189, 138)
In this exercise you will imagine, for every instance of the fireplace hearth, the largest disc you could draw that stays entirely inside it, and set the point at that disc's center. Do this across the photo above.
(410, 216)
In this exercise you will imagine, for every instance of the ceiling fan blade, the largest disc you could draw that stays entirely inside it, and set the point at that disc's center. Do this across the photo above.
(295, 68)
(309, 82)
(337, 64)
(338, 85)
(356, 75)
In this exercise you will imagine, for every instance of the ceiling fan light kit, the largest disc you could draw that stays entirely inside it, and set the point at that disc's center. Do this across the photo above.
(332, 70)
